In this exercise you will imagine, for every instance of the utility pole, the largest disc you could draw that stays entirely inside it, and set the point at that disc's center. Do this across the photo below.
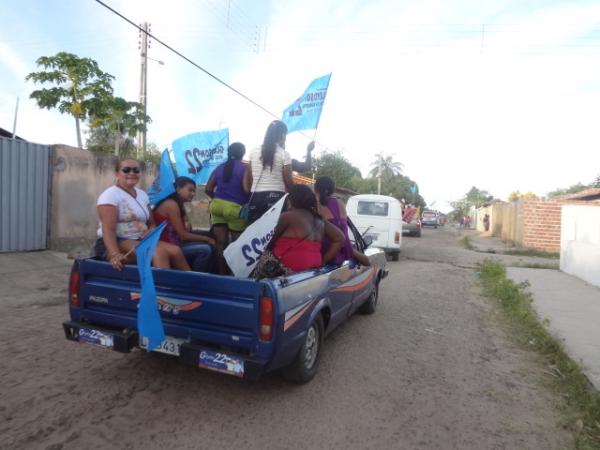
(143, 83)
(379, 177)
(15, 121)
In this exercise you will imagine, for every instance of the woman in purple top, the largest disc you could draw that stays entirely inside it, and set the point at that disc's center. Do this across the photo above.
(226, 189)
(333, 210)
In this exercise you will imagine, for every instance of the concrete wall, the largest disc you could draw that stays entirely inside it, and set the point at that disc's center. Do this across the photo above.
(78, 178)
(580, 242)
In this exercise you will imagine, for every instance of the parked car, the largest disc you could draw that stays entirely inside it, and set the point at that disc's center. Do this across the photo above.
(429, 219)
(412, 228)
(378, 217)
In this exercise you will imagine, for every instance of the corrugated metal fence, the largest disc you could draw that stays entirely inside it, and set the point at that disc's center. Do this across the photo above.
(24, 194)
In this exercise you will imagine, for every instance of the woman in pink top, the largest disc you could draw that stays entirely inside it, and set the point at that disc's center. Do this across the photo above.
(300, 230)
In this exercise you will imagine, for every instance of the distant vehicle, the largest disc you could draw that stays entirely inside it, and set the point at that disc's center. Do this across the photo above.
(442, 218)
(429, 219)
(412, 228)
(411, 222)
(380, 218)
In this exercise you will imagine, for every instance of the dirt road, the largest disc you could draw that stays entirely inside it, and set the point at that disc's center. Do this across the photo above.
(431, 369)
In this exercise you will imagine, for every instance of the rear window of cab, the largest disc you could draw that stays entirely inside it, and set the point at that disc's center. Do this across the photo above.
(366, 208)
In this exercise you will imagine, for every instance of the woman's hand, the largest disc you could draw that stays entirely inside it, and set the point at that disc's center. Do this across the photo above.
(117, 260)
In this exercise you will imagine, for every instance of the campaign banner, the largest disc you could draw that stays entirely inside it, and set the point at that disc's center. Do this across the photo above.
(163, 185)
(243, 253)
(304, 113)
(198, 154)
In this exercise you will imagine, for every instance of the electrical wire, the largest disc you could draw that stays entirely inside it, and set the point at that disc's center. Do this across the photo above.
(216, 78)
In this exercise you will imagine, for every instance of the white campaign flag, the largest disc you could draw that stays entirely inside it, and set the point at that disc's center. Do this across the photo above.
(242, 254)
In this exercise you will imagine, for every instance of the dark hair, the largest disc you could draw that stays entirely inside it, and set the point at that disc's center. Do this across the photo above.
(325, 186)
(275, 132)
(178, 184)
(235, 152)
(302, 197)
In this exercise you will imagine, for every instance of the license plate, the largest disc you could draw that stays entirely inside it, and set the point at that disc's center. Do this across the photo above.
(95, 337)
(221, 363)
(372, 236)
(169, 346)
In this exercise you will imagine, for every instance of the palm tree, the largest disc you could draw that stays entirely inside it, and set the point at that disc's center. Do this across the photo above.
(385, 166)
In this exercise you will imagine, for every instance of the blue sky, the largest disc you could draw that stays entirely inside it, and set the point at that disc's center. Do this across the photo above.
(488, 93)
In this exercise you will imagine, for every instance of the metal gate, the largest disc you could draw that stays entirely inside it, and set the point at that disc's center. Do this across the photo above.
(24, 186)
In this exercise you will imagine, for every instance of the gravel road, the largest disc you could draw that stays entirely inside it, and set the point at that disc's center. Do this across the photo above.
(431, 369)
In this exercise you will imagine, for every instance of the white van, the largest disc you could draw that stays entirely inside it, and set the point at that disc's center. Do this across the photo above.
(379, 217)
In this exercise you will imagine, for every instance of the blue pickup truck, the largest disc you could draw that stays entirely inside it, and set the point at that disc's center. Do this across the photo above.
(237, 326)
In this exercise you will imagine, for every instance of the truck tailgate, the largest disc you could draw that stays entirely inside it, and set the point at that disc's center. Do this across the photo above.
(199, 307)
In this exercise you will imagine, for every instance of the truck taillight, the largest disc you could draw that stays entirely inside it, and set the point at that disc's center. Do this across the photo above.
(74, 289)
(266, 318)
(397, 237)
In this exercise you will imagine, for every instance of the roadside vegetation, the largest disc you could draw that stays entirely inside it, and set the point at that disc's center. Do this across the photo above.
(583, 401)
(532, 252)
(466, 243)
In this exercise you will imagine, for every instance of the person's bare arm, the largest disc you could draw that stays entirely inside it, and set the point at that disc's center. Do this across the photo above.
(108, 221)
(337, 239)
(288, 178)
(247, 182)
(210, 186)
(362, 259)
(171, 210)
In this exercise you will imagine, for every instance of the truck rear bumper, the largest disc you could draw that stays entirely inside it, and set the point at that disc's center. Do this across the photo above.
(190, 354)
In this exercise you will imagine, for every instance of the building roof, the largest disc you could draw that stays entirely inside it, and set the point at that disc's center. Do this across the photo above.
(8, 134)
(587, 195)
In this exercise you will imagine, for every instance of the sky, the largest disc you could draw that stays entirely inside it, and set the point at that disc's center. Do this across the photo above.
(502, 95)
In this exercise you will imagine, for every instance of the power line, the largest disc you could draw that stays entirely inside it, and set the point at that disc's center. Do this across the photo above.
(216, 78)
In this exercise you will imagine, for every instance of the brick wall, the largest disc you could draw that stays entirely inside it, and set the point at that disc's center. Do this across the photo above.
(541, 224)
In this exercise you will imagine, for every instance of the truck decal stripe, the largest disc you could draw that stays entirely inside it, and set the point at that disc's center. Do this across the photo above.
(368, 277)
(292, 320)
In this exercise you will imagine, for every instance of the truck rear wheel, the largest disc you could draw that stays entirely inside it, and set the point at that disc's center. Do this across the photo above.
(395, 256)
(305, 364)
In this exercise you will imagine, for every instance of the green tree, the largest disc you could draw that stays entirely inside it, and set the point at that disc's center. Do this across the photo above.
(596, 182)
(388, 166)
(336, 166)
(570, 190)
(117, 120)
(80, 87)
(475, 197)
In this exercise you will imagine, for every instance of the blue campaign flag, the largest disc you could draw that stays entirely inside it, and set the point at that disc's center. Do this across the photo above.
(163, 185)
(149, 324)
(413, 188)
(304, 113)
(198, 154)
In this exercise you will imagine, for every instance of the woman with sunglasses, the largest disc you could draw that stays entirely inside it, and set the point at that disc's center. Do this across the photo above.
(125, 217)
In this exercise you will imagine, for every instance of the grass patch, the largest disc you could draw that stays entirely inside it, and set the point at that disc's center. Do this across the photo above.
(537, 266)
(569, 380)
(466, 243)
(532, 252)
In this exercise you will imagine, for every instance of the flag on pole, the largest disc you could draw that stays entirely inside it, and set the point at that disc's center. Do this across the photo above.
(198, 154)
(163, 185)
(148, 318)
(304, 113)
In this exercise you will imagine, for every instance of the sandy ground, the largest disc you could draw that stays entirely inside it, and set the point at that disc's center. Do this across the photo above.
(431, 369)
